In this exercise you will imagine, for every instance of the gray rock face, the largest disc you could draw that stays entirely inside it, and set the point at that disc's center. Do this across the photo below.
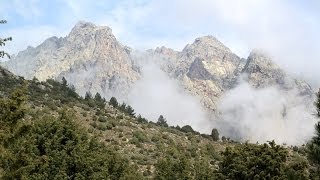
(207, 69)
(198, 71)
(93, 60)
(262, 72)
(90, 58)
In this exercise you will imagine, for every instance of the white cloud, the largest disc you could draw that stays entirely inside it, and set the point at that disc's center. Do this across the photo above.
(265, 114)
(156, 94)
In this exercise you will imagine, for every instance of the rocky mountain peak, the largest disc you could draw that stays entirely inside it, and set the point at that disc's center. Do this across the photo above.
(92, 59)
(259, 61)
(165, 51)
(84, 27)
(85, 34)
(206, 45)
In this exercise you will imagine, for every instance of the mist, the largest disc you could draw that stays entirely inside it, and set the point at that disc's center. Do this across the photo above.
(157, 94)
(244, 113)
(260, 115)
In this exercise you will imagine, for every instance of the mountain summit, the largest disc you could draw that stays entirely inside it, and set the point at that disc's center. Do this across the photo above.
(92, 59)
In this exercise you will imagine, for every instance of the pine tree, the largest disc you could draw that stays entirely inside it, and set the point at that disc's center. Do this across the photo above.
(317, 104)
(64, 82)
(314, 145)
(123, 107)
(99, 100)
(130, 110)
(215, 134)
(88, 96)
(3, 42)
(162, 121)
(113, 102)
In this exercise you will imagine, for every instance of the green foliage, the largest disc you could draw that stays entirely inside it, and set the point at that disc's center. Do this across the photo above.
(169, 168)
(53, 146)
(64, 82)
(140, 136)
(102, 119)
(125, 108)
(49, 147)
(252, 161)
(141, 119)
(215, 134)
(113, 102)
(202, 170)
(317, 103)
(162, 121)
(11, 109)
(54, 90)
(129, 110)
(183, 168)
(224, 139)
(187, 129)
(297, 169)
(3, 42)
(88, 96)
(100, 102)
(313, 147)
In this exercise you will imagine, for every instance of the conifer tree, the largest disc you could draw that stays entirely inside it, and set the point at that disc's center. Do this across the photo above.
(3, 42)
(162, 121)
(314, 145)
(130, 110)
(113, 102)
(317, 104)
(215, 134)
(88, 96)
(99, 100)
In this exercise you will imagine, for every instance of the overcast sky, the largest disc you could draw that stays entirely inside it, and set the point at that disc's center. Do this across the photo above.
(287, 29)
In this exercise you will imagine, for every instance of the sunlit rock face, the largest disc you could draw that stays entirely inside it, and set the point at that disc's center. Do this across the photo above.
(207, 69)
(92, 59)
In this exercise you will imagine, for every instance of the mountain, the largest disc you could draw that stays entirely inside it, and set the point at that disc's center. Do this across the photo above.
(92, 59)
(49, 131)
(207, 69)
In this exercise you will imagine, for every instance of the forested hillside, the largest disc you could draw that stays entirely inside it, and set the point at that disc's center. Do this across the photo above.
(49, 132)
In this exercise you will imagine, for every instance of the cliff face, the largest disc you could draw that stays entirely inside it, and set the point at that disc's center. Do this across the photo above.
(262, 72)
(93, 60)
(90, 58)
(207, 69)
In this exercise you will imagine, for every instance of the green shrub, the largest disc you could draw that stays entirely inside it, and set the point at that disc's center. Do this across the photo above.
(102, 119)
(140, 136)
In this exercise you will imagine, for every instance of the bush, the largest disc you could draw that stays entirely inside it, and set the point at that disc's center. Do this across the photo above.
(187, 129)
(56, 148)
(140, 136)
(102, 119)
(169, 168)
(252, 161)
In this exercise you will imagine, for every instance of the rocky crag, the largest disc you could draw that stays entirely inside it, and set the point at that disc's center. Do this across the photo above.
(92, 59)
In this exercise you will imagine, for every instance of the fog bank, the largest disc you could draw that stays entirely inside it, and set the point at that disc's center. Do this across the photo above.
(260, 115)
(157, 94)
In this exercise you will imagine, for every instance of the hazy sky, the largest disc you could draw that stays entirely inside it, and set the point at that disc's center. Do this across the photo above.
(288, 29)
